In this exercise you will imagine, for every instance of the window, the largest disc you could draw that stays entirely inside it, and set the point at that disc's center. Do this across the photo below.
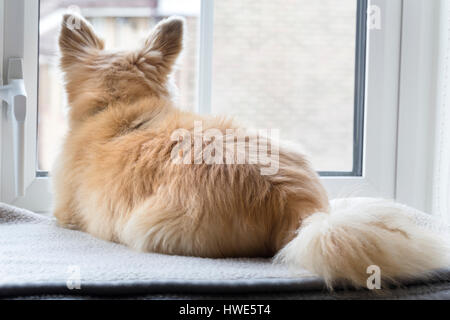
(272, 61)
(123, 25)
(300, 53)
(336, 85)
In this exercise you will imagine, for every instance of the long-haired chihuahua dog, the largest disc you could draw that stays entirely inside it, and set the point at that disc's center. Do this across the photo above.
(117, 180)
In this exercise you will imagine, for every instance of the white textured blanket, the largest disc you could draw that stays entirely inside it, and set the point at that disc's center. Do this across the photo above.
(35, 252)
(37, 257)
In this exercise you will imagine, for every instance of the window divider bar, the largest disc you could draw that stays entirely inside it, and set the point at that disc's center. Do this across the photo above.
(205, 57)
(360, 87)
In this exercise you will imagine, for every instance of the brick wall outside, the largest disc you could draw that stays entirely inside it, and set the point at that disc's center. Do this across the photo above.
(289, 65)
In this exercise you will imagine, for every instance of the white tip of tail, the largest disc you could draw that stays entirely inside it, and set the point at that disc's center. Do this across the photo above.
(361, 232)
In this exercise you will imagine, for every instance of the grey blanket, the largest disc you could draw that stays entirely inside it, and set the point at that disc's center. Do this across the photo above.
(37, 258)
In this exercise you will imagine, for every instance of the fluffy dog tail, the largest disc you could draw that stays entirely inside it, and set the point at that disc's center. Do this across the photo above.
(361, 233)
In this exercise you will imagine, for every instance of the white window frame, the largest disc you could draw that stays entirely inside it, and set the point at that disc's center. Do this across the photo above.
(396, 93)
(419, 102)
(20, 21)
(440, 195)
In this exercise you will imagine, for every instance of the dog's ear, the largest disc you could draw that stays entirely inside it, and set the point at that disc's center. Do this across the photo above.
(77, 39)
(166, 40)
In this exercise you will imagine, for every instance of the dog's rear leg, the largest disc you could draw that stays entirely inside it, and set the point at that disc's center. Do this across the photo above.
(159, 227)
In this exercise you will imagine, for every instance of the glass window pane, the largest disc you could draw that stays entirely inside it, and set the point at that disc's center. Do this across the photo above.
(123, 25)
(290, 65)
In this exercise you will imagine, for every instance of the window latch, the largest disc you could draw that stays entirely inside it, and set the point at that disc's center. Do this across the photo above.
(15, 96)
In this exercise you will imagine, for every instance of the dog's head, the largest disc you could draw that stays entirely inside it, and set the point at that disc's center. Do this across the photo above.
(96, 78)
